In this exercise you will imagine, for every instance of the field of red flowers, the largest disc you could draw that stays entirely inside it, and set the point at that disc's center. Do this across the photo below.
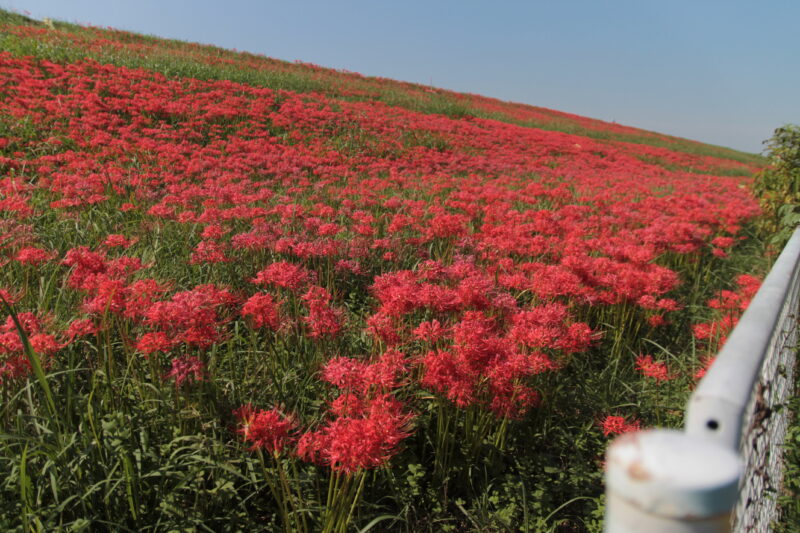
(341, 306)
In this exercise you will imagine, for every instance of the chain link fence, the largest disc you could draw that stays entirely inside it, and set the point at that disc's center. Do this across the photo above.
(766, 421)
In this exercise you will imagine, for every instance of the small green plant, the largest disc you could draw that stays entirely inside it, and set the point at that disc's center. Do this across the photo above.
(778, 186)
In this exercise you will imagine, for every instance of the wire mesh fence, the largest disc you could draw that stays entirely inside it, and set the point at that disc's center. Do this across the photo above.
(766, 421)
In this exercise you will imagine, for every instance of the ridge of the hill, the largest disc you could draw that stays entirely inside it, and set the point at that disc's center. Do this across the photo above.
(61, 41)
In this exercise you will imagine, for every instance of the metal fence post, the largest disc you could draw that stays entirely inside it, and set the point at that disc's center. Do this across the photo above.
(665, 481)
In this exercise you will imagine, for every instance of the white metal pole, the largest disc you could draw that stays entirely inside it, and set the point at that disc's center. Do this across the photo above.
(665, 481)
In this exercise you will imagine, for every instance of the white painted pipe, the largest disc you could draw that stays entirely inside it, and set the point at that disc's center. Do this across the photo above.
(665, 481)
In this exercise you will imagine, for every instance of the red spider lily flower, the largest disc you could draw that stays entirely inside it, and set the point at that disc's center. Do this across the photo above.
(322, 320)
(284, 274)
(13, 361)
(617, 425)
(715, 330)
(345, 373)
(140, 296)
(11, 298)
(653, 369)
(33, 256)
(429, 331)
(748, 285)
(349, 265)
(115, 240)
(192, 317)
(81, 328)
(155, 341)
(213, 231)
(384, 327)
(30, 323)
(347, 404)
(362, 376)
(108, 297)
(262, 311)
(86, 265)
(186, 369)
(208, 252)
(548, 327)
(267, 430)
(44, 343)
(352, 443)
(444, 374)
(706, 364)
(14, 367)
(723, 242)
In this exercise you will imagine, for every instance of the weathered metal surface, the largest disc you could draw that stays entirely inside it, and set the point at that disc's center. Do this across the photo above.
(663, 481)
(764, 426)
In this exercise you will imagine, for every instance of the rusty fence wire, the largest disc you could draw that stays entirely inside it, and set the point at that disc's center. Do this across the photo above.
(765, 423)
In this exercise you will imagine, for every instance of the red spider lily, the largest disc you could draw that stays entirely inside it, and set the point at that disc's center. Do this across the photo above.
(706, 364)
(81, 328)
(10, 297)
(13, 360)
(361, 376)
(191, 317)
(119, 241)
(519, 237)
(322, 320)
(262, 311)
(267, 430)
(384, 327)
(429, 331)
(617, 425)
(366, 439)
(283, 274)
(33, 256)
(208, 252)
(86, 267)
(650, 368)
(156, 341)
(186, 369)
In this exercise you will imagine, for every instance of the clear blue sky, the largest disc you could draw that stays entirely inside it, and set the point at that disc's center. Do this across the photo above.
(725, 72)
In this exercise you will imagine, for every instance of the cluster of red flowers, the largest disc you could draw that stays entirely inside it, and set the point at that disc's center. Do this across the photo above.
(653, 369)
(728, 306)
(14, 362)
(367, 423)
(617, 425)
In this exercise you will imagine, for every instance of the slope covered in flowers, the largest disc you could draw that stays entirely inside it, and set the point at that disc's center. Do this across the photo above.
(175, 58)
(238, 304)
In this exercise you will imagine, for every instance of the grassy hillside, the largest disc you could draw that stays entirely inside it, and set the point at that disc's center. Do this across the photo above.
(243, 294)
(64, 41)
